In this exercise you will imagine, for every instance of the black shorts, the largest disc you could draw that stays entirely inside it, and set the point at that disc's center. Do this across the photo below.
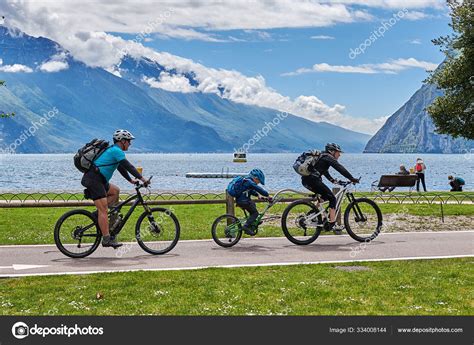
(316, 185)
(97, 186)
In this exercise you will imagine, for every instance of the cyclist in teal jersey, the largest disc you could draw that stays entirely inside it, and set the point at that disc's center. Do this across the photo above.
(101, 191)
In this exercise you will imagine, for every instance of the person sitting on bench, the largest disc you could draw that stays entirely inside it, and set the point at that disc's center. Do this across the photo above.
(456, 183)
(403, 171)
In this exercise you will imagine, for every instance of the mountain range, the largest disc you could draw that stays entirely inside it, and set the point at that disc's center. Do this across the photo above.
(92, 102)
(411, 129)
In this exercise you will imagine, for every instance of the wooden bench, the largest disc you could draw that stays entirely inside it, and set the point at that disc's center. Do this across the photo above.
(390, 182)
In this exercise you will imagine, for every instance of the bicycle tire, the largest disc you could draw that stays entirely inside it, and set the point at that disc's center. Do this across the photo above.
(173, 242)
(57, 233)
(229, 242)
(347, 225)
(286, 230)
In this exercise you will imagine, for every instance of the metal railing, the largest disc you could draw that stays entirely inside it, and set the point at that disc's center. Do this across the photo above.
(14, 200)
(32, 200)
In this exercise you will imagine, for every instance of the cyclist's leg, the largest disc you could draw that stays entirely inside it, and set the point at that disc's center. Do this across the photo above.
(101, 205)
(97, 187)
(319, 187)
(113, 194)
(253, 213)
(251, 208)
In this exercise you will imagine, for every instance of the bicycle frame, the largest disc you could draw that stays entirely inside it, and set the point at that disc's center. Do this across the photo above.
(261, 215)
(323, 210)
(139, 201)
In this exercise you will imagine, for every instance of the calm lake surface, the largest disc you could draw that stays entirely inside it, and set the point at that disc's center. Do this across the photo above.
(56, 172)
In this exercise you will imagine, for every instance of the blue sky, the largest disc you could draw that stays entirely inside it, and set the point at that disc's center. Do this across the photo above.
(364, 95)
(292, 56)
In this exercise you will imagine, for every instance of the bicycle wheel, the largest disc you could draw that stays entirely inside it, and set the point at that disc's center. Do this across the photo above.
(363, 220)
(295, 225)
(226, 230)
(157, 231)
(77, 234)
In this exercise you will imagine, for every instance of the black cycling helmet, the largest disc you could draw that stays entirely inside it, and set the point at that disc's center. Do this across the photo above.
(333, 147)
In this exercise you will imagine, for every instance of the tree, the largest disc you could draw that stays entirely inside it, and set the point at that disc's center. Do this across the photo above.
(453, 113)
(2, 114)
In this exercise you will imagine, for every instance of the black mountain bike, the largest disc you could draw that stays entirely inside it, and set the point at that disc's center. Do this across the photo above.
(77, 233)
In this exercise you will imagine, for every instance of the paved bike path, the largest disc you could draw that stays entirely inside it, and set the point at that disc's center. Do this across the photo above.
(46, 259)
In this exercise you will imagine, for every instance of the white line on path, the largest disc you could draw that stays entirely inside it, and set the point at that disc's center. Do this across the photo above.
(16, 267)
(242, 265)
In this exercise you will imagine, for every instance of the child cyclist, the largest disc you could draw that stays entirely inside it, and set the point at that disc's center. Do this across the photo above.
(242, 188)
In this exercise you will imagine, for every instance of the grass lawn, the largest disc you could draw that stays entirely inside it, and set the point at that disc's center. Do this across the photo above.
(421, 287)
(36, 225)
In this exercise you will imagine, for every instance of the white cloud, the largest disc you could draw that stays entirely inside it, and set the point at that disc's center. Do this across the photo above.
(174, 18)
(15, 68)
(166, 32)
(324, 67)
(169, 82)
(391, 67)
(314, 109)
(66, 24)
(409, 63)
(53, 66)
(415, 15)
(415, 41)
(322, 37)
(259, 35)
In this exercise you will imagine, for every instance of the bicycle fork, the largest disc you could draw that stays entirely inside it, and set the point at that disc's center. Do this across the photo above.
(154, 227)
(359, 216)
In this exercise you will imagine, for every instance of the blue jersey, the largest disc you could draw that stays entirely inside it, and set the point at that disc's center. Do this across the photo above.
(250, 188)
(109, 161)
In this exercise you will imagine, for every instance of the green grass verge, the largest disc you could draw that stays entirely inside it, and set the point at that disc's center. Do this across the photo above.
(35, 225)
(422, 287)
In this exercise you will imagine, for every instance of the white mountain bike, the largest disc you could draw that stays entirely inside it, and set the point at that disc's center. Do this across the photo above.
(303, 220)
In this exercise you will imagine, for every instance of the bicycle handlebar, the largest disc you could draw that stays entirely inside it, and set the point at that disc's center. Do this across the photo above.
(144, 184)
(346, 183)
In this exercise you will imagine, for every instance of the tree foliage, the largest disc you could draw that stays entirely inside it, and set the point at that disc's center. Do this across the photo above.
(453, 112)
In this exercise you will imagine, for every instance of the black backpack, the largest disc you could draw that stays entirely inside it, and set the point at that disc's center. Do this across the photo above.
(306, 161)
(86, 155)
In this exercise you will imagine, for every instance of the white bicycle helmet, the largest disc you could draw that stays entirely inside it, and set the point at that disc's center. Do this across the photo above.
(121, 134)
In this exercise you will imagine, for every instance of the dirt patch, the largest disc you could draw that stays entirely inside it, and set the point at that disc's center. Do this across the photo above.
(397, 222)
(409, 223)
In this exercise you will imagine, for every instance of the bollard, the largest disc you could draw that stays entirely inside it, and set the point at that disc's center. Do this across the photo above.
(229, 204)
(336, 190)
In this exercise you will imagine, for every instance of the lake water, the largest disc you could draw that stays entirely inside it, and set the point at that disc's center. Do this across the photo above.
(56, 172)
